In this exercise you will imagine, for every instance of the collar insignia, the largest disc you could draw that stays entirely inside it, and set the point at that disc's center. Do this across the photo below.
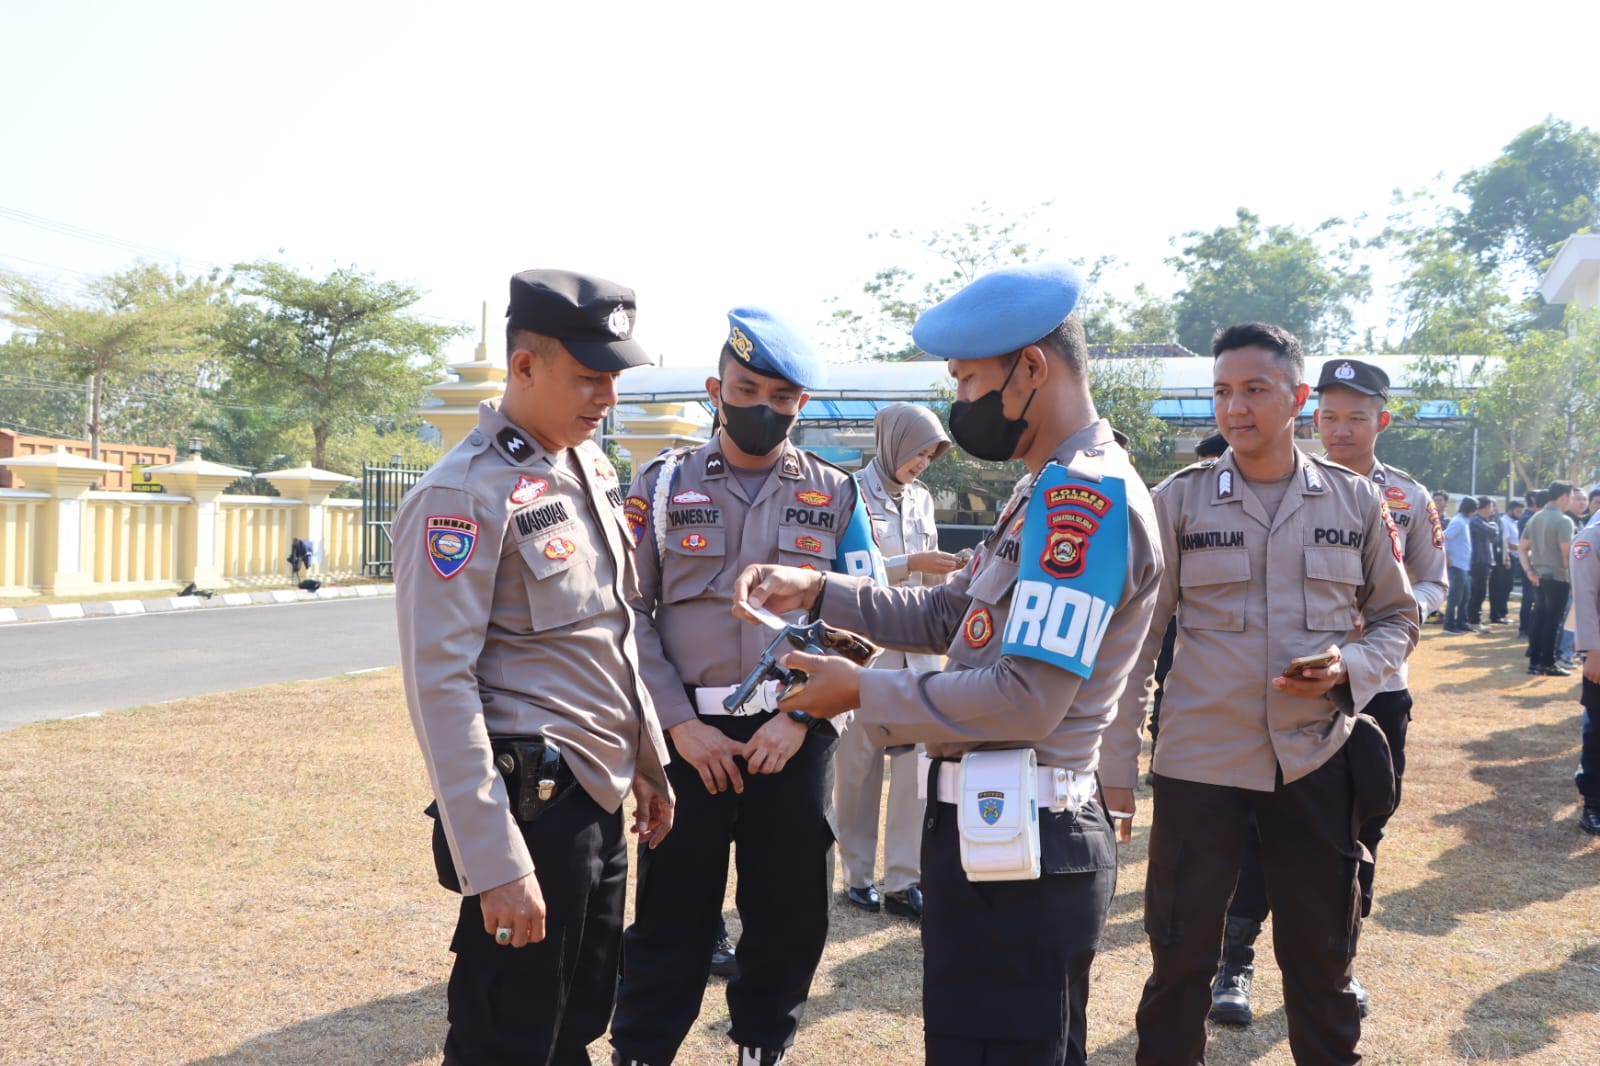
(514, 444)
(791, 465)
(716, 464)
(1224, 484)
(1313, 480)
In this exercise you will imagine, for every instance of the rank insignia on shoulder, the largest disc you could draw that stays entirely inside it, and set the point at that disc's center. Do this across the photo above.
(514, 444)
(450, 540)
(791, 465)
(528, 489)
(978, 628)
(813, 498)
(694, 542)
(716, 464)
(1224, 484)
(559, 548)
(808, 544)
(691, 496)
(1313, 479)
(990, 805)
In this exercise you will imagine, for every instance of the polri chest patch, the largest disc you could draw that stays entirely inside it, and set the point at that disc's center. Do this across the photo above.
(449, 540)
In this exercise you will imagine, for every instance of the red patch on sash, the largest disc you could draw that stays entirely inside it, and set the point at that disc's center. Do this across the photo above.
(528, 489)
(978, 629)
(1394, 532)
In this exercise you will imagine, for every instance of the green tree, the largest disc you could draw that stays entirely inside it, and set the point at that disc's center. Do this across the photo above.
(36, 396)
(139, 342)
(1543, 187)
(339, 353)
(1247, 271)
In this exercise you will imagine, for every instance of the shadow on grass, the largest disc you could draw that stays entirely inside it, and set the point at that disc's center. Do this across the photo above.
(1514, 831)
(397, 1029)
(1534, 1000)
(1224, 1043)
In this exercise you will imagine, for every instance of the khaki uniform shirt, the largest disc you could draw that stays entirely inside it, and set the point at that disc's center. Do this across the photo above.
(902, 527)
(1422, 543)
(1585, 569)
(697, 531)
(1253, 592)
(985, 698)
(512, 570)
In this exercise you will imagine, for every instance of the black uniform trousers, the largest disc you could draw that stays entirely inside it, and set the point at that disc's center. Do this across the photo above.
(1529, 595)
(1309, 853)
(1549, 613)
(1478, 590)
(1005, 971)
(782, 840)
(1588, 776)
(1392, 712)
(1500, 582)
(547, 1002)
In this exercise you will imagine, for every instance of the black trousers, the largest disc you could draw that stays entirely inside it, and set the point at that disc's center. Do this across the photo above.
(1548, 614)
(782, 842)
(1005, 973)
(1479, 589)
(1309, 854)
(1500, 579)
(1392, 712)
(547, 1002)
(1529, 597)
(1588, 776)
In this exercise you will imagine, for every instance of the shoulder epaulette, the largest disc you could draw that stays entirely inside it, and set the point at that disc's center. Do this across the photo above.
(1328, 464)
(660, 457)
(825, 462)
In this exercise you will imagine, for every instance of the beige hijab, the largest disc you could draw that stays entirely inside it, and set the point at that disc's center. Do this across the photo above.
(903, 430)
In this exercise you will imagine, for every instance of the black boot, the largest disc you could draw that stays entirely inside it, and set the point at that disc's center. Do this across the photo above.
(1230, 991)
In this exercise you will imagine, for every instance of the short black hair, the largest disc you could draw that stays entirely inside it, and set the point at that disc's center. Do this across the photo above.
(1275, 339)
(1593, 493)
(1537, 498)
(1485, 501)
(1557, 488)
(1468, 505)
(1068, 341)
(1211, 447)
(1513, 505)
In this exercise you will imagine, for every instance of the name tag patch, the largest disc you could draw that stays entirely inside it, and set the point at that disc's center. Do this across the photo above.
(541, 518)
(694, 516)
(450, 540)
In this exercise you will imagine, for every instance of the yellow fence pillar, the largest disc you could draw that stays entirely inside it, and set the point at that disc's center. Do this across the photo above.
(62, 549)
(642, 430)
(311, 487)
(201, 525)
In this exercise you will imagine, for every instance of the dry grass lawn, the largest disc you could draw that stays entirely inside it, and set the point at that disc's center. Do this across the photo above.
(245, 879)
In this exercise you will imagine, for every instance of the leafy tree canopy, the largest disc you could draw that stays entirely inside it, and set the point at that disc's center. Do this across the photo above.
(1544, 187)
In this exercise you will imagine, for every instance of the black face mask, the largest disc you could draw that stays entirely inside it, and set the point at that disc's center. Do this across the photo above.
(981, 427)
(757, 429)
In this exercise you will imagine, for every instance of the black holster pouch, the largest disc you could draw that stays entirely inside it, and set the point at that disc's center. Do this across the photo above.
(536, 778)
(1371, 771)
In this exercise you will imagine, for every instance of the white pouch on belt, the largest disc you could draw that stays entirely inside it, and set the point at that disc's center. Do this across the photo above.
(997, 814)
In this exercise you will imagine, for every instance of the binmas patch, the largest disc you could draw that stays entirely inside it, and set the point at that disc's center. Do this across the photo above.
(1580, 549)
(978, 628)
(449, 540)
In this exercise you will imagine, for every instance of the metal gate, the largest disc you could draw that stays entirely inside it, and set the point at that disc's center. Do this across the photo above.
(381, 490)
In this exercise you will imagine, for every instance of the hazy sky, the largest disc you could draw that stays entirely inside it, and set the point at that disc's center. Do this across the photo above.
(713, 154)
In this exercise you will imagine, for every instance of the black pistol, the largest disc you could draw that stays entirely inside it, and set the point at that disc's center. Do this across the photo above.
(818, 638)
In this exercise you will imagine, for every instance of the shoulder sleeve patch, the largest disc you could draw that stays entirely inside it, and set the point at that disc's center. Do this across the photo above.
(449, 540)
(1073, 566)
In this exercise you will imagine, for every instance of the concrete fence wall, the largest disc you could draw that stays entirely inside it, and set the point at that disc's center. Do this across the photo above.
(77, 540)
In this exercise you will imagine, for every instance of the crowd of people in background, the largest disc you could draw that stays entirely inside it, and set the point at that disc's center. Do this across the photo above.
(1493, 553)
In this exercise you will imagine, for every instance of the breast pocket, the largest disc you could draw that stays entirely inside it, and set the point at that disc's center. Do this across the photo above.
(1214, 587)
(978, 642)
(1333, 576)
(804, 546)
(562, 585)
(691, 563)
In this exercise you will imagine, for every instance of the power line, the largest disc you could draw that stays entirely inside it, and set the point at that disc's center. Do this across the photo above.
(66, 229)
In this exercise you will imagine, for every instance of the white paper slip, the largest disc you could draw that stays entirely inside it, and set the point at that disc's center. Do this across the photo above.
(765, 617)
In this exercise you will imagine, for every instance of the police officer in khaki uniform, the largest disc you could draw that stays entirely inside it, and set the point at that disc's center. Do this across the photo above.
(1041, 631)
(513, 572)
(909, 439)
(1352, 400)
(1584, 567)
(757, 780)
(1272, 556)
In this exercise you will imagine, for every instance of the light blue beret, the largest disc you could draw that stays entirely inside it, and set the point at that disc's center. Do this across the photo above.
(771, 344)
(1000, 312)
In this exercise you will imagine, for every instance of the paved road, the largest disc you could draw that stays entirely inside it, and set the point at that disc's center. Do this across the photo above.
(58, 669)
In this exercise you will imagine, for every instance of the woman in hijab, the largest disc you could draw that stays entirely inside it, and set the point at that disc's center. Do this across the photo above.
(909, 439)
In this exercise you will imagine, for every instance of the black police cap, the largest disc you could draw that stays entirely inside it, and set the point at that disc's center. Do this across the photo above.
(592, 317)
(1354, 374)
